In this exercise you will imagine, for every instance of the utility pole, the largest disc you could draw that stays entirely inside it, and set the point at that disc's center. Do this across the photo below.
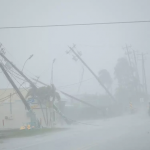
(52, 71)
(128, 54)
(136, 66)
(83, 102)
(71, 49)
(70, 96)
(135, 60)
(15, 87)
(144, 73)
(28, 80)
(81, 79)
(10, 105)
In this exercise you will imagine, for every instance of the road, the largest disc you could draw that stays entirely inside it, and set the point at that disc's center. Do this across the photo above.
(130, 132)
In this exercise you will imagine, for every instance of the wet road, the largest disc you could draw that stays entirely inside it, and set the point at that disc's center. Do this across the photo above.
(121, 133)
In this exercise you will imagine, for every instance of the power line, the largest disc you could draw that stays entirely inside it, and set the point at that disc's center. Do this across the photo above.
(15, 75)
(18, 61)
(8, 96)
(17, 81)
(5, 89)
(78, 24)
(75, 83)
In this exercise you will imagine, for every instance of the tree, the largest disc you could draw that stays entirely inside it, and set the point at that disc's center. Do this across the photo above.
(105, 77)
(44, 93)
(123, 72)
(128, 83)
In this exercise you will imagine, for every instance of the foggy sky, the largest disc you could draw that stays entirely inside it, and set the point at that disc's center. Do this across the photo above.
(101, 45)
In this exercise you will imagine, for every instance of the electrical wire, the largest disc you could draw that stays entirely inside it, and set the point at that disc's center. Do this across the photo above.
(18, 61)
(12, 73)
(14, 76)
(75, 83)
(5, 89)
(17, 81)
(7, 97)
(76, 24)
(16, 72)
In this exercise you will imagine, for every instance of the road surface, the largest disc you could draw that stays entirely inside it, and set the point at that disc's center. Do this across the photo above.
(130, 132)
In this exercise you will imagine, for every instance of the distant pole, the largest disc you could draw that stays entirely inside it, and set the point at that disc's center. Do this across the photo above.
(10, 105)
(135, 60)
(52, 71)
(144, 73)
(81, 80)
(92, 73)
(128, 54)
(137, 72)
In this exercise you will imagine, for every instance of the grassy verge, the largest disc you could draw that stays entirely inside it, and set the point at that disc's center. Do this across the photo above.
(26, 133)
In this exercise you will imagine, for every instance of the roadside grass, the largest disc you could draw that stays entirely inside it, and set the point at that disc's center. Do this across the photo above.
(16, 133)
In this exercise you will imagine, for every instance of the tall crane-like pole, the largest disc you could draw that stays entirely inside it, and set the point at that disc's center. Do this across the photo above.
(92, 73)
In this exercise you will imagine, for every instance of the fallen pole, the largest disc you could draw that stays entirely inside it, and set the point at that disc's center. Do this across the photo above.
(71, 96)
(80, 100)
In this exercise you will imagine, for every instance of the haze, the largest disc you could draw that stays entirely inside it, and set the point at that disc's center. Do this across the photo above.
(101, 45)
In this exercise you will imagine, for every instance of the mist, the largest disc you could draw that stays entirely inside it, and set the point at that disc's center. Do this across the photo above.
(78, 68)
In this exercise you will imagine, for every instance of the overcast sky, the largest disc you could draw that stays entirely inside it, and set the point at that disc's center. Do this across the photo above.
(100, 45)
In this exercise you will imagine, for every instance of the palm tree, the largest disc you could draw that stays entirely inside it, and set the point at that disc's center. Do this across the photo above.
(44, 93)
(123, 72)
(105, 77)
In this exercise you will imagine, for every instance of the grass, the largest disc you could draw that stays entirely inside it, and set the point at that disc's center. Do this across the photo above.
(26, 133)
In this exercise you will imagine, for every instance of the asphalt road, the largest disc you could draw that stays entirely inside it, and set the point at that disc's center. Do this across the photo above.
(131, 132)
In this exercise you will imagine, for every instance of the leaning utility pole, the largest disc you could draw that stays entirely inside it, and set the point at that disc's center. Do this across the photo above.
(28, 80)
(71, 49)
(70, 96)
(15, 87)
